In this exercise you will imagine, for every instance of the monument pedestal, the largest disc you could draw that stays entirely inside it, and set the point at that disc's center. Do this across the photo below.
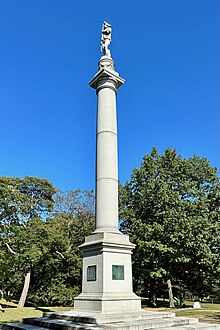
(107, 275)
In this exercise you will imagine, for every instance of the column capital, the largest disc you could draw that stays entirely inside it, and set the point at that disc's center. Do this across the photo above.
(106, 77)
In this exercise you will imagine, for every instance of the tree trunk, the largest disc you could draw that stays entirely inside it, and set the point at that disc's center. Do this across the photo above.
(146, 287)
(153, 296)
(25, 289)
(171, 300)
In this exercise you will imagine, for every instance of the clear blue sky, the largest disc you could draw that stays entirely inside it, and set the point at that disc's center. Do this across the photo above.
(166, 50)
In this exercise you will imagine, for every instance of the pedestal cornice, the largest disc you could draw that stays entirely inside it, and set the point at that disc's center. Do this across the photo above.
(106, 239)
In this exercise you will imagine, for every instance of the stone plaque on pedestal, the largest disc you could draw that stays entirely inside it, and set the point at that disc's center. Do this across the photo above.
(118, 272)
(91, 273)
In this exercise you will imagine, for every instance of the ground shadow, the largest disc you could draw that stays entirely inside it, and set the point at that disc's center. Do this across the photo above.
(217, 316)
(7, 306)
(43, 309)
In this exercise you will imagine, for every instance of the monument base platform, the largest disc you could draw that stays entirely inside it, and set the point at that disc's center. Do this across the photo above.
(116, 321)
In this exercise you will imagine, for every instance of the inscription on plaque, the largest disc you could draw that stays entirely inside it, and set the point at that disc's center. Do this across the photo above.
(118, 272)
(91, 273)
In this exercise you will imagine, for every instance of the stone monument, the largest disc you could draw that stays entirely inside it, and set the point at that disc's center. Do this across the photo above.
(107, 300)
(107, 272)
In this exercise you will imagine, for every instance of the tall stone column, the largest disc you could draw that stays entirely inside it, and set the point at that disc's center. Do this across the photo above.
(107, 272)
(106, 82)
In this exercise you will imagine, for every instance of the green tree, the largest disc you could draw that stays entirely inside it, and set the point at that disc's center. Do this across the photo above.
(56, 278)
(21, 201)
(40, 235)
(170, 209)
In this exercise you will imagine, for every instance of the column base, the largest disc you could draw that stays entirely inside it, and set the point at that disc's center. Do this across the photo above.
(107, 230)
(107, 303)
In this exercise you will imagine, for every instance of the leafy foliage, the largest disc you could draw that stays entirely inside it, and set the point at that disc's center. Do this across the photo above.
(170, 209)
(21, 201)
(63, 259)
(41, 232)
(24, 199)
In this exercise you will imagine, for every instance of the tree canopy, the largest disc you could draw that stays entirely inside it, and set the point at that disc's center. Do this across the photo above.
(40, 231)
(170, 210)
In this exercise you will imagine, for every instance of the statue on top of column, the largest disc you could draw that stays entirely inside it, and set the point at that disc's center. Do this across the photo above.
(106, 38)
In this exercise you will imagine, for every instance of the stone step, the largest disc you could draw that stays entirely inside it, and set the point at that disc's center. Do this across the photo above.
(156, 323)
(152, 324)
(97, 318)
(129, 325)
(55, 324)
(196, 326)
(19, 326)
(94, 321)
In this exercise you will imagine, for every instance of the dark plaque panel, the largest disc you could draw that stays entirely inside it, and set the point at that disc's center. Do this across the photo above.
(118, 272)
(91, 273)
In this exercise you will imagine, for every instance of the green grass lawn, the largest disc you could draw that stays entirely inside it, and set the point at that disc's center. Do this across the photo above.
(208, 313)
(13, 314)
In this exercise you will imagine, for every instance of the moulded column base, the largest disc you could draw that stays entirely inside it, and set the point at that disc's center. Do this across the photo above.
(107, 303)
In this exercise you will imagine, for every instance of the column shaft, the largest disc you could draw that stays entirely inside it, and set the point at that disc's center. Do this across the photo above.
(106, 162)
